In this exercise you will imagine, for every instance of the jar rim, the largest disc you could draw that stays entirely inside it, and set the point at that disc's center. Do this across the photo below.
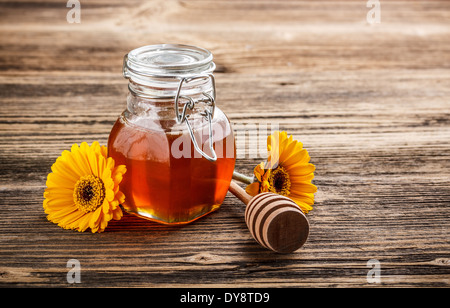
(168, 60)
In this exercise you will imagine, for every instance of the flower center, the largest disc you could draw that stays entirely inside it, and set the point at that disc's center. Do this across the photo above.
(279, 181)
(89, 193)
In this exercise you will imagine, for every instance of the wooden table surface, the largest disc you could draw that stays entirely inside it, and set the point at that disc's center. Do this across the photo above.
(371, 103)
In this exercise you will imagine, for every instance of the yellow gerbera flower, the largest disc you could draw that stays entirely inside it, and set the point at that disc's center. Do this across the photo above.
(83, 189)
(287, 171)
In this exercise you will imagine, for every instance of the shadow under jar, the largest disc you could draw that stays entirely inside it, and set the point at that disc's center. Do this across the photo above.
(177, 145)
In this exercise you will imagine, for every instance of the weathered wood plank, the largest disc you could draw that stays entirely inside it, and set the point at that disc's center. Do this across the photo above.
(370, 103)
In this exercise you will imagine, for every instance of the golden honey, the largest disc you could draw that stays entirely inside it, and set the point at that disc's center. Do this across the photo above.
(172, 188)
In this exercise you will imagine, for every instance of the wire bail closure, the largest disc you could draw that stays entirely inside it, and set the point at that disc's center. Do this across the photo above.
(208, 113)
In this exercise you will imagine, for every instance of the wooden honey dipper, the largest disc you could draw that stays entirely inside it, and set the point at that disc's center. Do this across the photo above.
(274, 221)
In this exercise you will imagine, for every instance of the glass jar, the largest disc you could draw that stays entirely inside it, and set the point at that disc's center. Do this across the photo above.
(177, 145)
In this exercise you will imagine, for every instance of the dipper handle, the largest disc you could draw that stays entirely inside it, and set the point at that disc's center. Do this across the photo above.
(274, 221)
(239, 192)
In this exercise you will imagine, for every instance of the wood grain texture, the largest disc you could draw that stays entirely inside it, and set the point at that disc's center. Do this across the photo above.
(371, 103)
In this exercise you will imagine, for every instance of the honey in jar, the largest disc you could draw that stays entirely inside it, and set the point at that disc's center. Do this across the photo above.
(177, 145)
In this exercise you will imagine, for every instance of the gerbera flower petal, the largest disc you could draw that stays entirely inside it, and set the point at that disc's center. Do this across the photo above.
(55, 180)
(106, 177)
(104, 152)
(265, 186)
(104, 222)
(81, 156)
(68, 221)
(301, 178)
(117, 214)
(301, 170)
(304, 186)
(110, 164)
(275, 146)
(259, 171)
(113, 205)
(63, 169)
(84, 147)
(289, 150)
(94, 222)
(308, 198)
(76, 161)
(109, 195)
(253, 189)
(106, 207)
(56, 216)
(83, 223)
(303, 206)
(56, 202)
(93, 162)
(275, 139)
(120, 196)
(297, 158)
(117, 174)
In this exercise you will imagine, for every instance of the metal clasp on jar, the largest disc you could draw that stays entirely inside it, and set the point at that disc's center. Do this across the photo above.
(207, 113)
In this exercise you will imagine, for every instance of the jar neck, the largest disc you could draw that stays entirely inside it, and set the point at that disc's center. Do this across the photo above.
(164, 88)
(162, 108)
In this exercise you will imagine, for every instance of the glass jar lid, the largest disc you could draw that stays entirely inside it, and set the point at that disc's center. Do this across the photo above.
(156, 70)
(169, 60)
